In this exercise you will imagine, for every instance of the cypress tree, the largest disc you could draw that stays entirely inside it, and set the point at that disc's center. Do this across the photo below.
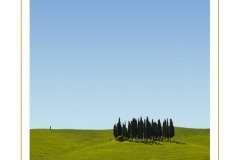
(126, 133)
(148, 128)
(141, 128)
(159, 129)
(132, 129)
(129, 129)
(152, 130)
(167, 128)
(156, 130)
(144, 129)
(123, 130)
(119, 128)
(138, 129)
(171, 129)
(115, 131)
(164, 129)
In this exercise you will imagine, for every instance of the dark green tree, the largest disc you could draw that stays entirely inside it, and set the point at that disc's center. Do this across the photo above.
(124, 131)
(167, 128)
(141, 128)
(134, 128)
(164, 129)
(148, 128)
(138, 129)
(115, 131)
(171, 129)
(119, 128)
(155, 131)
(129, 130)
(159, 130)
(144, 129)
(152, 130)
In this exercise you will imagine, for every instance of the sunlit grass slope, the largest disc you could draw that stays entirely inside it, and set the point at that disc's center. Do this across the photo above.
(45, 144)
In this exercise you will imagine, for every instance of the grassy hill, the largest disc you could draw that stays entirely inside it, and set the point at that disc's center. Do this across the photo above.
(65, 144)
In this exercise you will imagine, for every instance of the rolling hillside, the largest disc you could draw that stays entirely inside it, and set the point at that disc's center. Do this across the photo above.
(67, 144)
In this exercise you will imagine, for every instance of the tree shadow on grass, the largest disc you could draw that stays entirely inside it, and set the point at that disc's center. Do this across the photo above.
(147, 142)
(178, 142)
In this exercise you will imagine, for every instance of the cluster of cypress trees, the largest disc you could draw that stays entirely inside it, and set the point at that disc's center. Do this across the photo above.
(144, 129)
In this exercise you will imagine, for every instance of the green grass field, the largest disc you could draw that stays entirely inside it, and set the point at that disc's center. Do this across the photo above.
(65, 144)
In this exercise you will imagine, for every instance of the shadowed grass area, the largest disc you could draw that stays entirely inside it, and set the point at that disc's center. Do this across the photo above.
(65, 144)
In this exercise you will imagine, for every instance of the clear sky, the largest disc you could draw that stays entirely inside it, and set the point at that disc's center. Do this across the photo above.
(94, 61)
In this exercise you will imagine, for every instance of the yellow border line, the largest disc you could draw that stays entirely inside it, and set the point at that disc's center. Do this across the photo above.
(218, 79)
(21, 79)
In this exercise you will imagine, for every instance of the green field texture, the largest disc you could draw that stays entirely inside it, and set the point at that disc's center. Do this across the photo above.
(69, 144)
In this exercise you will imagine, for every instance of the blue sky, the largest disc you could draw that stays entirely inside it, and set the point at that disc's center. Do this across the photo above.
(94, 61)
